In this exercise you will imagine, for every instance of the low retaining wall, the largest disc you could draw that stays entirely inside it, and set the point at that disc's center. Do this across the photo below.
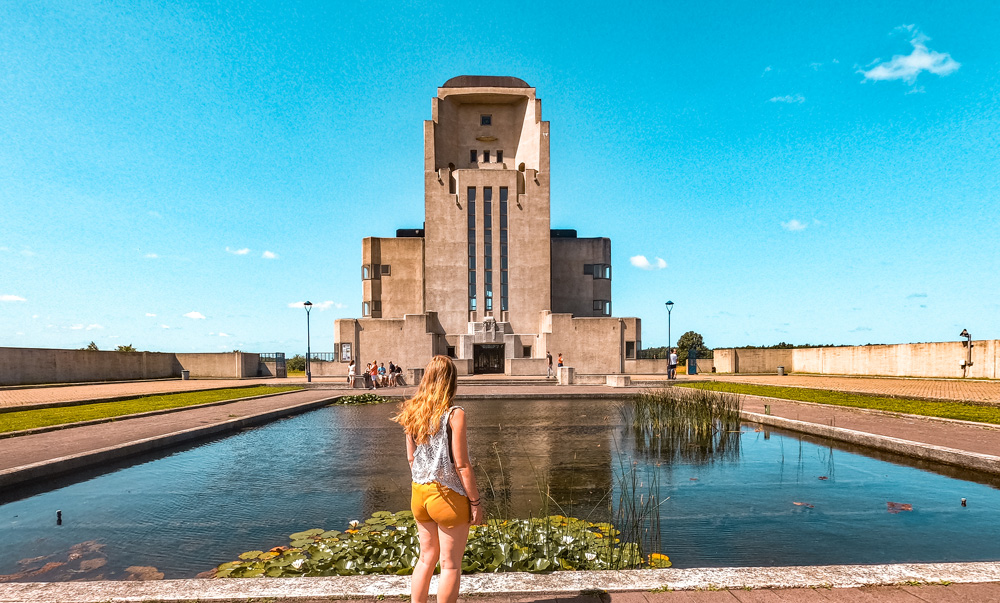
(36, 366)
(936, 359)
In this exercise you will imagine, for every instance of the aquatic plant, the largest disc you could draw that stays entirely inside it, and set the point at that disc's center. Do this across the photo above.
(361, 399)
(387, 543)
(694, 426)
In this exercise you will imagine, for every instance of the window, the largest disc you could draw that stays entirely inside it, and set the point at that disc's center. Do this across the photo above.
(486, 120)
(602, 307)
(486, 156)
(499, 156)
(504, 305)
(602, 271)
(366, 272)
(630, 349)
(471, 198)
(473, 156)
(451, 351)
(489, 303)
(588, 269)
(376, 306)
(598, 305)
(385, 270)
(472, 304)
(526, 351)
(366, 309)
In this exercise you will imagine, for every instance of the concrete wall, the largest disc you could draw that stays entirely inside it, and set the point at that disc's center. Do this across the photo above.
(30, 366)
(232, 365)
(590, 345)
(574, 292)
(519, 367)
(401, 291)
(937, 359)
(410, 342)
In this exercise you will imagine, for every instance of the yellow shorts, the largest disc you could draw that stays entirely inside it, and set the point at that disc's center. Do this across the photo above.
(443, 506)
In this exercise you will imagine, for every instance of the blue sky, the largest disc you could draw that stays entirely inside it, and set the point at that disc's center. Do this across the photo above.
(175, 175)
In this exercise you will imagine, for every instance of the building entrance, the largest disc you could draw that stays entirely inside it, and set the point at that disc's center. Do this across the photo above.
(487, 358)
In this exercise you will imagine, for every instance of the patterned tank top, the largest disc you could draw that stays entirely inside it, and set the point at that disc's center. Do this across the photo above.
(432, 462)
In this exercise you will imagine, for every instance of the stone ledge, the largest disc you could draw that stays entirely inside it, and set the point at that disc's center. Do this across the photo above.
(292, 589)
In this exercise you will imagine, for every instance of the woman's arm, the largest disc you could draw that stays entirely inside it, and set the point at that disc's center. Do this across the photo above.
(460, 452)
(411, 447)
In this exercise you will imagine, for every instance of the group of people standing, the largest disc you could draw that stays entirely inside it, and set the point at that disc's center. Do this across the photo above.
(548, 356)
(377, 375)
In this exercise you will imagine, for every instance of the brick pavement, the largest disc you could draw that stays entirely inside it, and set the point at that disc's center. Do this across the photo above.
(935, 389)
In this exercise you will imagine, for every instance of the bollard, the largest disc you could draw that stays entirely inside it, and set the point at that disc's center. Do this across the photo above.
(767, 409)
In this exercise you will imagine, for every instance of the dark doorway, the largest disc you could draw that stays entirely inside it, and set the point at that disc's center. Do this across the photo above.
(487, 358)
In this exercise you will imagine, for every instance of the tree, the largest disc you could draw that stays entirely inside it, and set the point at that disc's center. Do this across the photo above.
(296, 363)
(126, 348)
(91, 347)
(691, 340)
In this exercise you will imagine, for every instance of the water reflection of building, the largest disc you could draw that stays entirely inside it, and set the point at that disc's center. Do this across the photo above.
(486, 280)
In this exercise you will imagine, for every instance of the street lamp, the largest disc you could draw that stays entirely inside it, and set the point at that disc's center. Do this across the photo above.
(670, 345)
(308, 306)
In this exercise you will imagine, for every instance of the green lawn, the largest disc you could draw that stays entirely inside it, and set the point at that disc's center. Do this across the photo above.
(946, 410)
(44, 417)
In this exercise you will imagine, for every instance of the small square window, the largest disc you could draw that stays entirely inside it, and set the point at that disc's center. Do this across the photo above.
(598, 305)
(588, 269)
(630, 349)
(473, 156)
(451, 351)
(526, 351)
(499, 156)
(386, 270)
(486, 120)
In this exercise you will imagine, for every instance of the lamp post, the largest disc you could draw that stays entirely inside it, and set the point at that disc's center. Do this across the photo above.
(670, 344)
(308, 306)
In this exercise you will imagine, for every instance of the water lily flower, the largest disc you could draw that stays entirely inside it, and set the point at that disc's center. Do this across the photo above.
(354, 523)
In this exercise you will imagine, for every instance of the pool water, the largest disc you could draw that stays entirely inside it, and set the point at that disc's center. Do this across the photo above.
(186, 512)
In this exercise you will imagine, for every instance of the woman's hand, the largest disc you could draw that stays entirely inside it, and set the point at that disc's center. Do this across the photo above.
(478, 515)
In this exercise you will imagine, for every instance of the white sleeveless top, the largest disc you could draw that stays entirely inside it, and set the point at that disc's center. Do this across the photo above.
(431, 460)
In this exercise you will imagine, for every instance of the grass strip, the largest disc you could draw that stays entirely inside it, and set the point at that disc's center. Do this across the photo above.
(46, 417)
(945, 410)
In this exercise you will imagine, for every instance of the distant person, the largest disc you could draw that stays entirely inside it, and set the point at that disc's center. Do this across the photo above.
(548, 356)
(399, 376)
(392, 374)
(382, 379)
(444, 496)
(560, 360)
(672, 364)
(373, 373)
(351, 373)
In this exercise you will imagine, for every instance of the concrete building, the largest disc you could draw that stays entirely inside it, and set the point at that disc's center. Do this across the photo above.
(486, 280)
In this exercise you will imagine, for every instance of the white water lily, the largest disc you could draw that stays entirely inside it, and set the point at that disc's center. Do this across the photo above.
(354, 523)
(590, 556)
(297, 564)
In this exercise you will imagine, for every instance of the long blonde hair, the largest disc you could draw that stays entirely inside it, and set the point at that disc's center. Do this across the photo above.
(420, 416)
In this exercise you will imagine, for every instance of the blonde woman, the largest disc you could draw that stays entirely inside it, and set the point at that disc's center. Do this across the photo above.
(445, 499)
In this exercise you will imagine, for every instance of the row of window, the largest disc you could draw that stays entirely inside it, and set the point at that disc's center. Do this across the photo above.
(474, 156)
(597, 270)
(603, 306)
(375, 271)
(367, 308)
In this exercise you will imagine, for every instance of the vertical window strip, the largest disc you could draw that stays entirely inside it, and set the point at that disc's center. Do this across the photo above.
(488, 245)
(504, 306)
(471, 203)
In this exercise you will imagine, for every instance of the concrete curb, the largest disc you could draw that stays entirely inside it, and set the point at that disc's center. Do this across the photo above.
(151, 413)
(573, 583)
(44, 405)
(52, 467)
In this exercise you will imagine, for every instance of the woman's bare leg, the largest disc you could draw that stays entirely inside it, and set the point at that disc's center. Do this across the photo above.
(452, 541)
(430, 550)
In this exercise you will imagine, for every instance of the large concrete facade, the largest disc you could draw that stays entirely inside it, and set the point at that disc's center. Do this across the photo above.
(486, 280)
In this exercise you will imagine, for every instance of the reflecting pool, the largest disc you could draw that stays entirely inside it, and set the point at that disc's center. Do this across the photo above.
(768, 498)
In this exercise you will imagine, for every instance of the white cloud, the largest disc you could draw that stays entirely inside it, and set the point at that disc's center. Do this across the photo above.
(908, 67)
(4, 248)
(94, 326)
(164, 326)
(793, 225)
(297, 305)
(76, 328)
(152, 256)
(150, 314)
(7, 297)
(640, 261)
(788, 98)
(815, 66)
(243, 251)
(223, 335)
(269, 255)
(195, 315)
(326, 305)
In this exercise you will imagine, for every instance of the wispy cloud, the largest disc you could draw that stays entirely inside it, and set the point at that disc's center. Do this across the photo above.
(152, 256)
(908, 67)
(269, 255)
(326, 305)
(7, 297)
(792, 99)
(150, 314)
(164, 326)
(242, 251)
(794, 225)
(94, 326)
(195, 315)
(860, 329)
(75, 327)
(916, 295)
(766, 70)
(640, 261)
